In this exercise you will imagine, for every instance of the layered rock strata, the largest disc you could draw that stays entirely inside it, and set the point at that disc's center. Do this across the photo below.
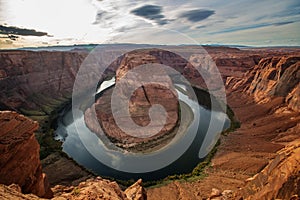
(272, 77)
(20, 159)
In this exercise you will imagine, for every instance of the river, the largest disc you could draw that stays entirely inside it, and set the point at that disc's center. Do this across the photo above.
(181, 155)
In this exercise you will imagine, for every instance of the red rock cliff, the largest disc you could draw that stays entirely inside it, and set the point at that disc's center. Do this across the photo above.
(19, 158)
(24, 74)
(273, 77)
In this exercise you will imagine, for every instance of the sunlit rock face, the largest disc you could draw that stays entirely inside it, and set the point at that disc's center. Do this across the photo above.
(273, 77)
(279, 179)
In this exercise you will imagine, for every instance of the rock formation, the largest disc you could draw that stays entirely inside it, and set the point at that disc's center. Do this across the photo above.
(272, 77)
(97, 188)
(280, 179)
(13, 192)
(28, 78)
(276, 77)
(19, 159)
(140, 102)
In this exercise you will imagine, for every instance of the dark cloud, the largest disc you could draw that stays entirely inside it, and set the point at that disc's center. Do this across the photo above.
(148, 11)
(101, 16)
(253, 26)
(282, 23)
(151, 12)
(199, 27)
(197, 15)
(11, 30)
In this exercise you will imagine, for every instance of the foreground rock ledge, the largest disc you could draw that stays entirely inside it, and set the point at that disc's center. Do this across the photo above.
(21, 170)
(20, 158)
(96, 188)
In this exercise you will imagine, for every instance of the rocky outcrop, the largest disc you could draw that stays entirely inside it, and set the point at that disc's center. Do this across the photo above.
(136, 191)
(266, 127)
(272, 77)
(99, 188)
(19, 158)
(275, 76)
(13, 192)
(140, 101)
(280, 179)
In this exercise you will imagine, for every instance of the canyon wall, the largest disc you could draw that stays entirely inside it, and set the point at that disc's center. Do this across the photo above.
(20, 160)
(272, 77)
(36, 82)
(41, 80)
(29, 79)
(273, 85)
(280, 179)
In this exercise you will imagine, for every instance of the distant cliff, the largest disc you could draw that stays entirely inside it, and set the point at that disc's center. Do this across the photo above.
(272, 77)
(28, 79)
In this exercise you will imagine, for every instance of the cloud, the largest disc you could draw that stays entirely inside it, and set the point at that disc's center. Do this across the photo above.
(203, 26)
(102, 16)
(252, 26)
(283, 23)
(148, 11)
(197, 15)
(151, 12)
(6, 30)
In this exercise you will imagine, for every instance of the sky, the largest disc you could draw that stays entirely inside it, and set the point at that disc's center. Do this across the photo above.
(66, 22)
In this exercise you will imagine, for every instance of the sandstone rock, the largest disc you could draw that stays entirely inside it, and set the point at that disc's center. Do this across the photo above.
(99, 188)
(19, 158)
(293, 98)
(227, 194)
(277, 76)
(279, 179)
(62, 170)
(215, 193)
(141, 100)
(272, 77)
(136, 191)
(24, 74)
(10, 193)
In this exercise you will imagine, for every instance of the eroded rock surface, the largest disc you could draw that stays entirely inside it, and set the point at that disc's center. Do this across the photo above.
(96, 188)
(99, 188)
(19, 158)
(280, 179)
(13, 192)
(272, 77)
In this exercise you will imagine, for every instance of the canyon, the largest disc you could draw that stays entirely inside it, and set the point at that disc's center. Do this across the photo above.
(263, 90)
